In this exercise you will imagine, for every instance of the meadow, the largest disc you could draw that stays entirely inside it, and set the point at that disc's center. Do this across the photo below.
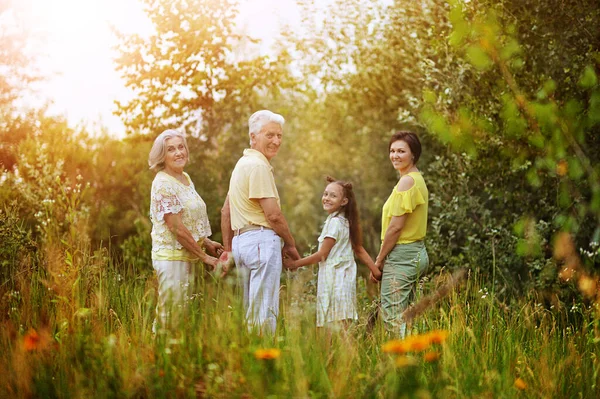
(80, 325)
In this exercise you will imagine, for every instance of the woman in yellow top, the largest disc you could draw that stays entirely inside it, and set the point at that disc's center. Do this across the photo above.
(180, 226)
(402, 257)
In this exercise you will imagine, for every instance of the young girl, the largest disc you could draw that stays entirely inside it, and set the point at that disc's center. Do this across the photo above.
(340, 239)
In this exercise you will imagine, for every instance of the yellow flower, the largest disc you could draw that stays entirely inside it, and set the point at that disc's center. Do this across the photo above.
(562, 167)
(431, 357)
(267, 354)
(520, 384)
(587, 286)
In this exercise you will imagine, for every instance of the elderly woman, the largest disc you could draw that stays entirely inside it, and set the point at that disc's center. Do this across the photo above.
(402, 257)
(180, 226)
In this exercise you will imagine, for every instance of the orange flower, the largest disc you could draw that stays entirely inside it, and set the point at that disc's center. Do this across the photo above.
(431, 357)
(31, 340)
(267, 354)
(438, 336)
(396, 346)
(418, 343)
(520, 384)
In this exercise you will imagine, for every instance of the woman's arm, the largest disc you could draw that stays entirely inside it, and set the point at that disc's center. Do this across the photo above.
(390, 239)
(365, 258)
(317, 257)
(185, 238)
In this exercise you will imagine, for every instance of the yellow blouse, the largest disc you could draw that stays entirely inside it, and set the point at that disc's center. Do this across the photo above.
(413, 201)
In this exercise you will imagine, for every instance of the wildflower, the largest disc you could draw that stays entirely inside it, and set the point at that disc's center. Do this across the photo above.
(587, 286)
(431, 357)
(267, 354)
(563, 246)
(396, 346)
(31, 340)
(566, 273)
(438, 336)
(418, 343)
(562, 167)
(520, 384)
(405, 361)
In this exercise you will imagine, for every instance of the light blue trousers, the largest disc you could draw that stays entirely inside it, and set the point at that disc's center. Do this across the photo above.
(401, 271)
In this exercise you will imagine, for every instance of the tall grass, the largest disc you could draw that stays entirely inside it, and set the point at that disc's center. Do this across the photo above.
(82, 327)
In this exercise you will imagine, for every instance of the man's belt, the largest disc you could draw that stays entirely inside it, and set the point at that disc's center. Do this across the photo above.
(250, 227)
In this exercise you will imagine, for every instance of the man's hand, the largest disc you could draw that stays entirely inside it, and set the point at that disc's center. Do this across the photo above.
(290, 251)
(289, 263)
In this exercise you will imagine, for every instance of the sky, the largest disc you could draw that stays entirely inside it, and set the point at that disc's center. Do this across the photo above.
(77, 47)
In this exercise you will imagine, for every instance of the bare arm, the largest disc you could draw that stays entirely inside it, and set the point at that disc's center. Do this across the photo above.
(279, 225)
(318, 256)
(390, 239)
(226, 231)
(365, 258)
(185, 238)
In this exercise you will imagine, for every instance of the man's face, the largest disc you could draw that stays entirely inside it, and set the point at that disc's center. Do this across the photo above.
(268, 140)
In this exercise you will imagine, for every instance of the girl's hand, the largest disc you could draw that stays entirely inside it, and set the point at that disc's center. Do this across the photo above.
(373, 279)
(376, 274)
(289, 263)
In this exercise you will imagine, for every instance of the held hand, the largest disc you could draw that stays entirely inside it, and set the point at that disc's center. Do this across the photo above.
(225, 263)
(290, 252)
(376, 275)
(373, 279)
(289, 263)
(379, 264)
(214, 248)
(210, 262)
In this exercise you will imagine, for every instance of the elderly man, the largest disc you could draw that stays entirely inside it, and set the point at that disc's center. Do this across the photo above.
(253, 225)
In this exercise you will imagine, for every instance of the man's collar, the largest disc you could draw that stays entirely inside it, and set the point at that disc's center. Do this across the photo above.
(254, 153)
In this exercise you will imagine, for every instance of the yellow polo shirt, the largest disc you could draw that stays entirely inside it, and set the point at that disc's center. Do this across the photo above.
(251, 179)
(413, 202)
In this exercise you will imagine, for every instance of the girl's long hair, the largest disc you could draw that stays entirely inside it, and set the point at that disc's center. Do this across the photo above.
(350, 211)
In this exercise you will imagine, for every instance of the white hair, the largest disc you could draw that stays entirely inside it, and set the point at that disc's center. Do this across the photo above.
(156, 159)
(260, 118)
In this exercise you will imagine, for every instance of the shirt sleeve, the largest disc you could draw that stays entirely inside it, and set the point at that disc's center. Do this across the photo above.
(403, 202)
(164, 200)
(262, 183)
(332, 229)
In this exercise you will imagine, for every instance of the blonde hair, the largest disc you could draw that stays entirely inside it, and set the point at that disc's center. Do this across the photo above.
(156, 159)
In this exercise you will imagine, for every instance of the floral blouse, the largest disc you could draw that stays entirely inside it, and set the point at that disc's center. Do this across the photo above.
(169, 195)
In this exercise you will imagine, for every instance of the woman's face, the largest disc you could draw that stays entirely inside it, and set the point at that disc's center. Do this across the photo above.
(177, 155)
(333, 198)
(401, 155)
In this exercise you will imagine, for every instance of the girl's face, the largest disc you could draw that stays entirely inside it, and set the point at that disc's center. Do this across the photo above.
(333, 198)
(401, 155)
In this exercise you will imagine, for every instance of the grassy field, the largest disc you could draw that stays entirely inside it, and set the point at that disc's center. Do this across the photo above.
(81, 326)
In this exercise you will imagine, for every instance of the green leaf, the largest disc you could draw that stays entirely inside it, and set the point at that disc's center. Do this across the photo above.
(479, 58)
(588, 78)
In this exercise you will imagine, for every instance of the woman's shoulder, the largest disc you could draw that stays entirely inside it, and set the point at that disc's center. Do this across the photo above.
(406, 183)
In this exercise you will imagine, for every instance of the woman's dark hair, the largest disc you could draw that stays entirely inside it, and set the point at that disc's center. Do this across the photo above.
(350, 211)
(409, 138)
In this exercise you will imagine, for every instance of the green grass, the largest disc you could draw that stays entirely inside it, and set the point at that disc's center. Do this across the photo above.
(95, 340)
